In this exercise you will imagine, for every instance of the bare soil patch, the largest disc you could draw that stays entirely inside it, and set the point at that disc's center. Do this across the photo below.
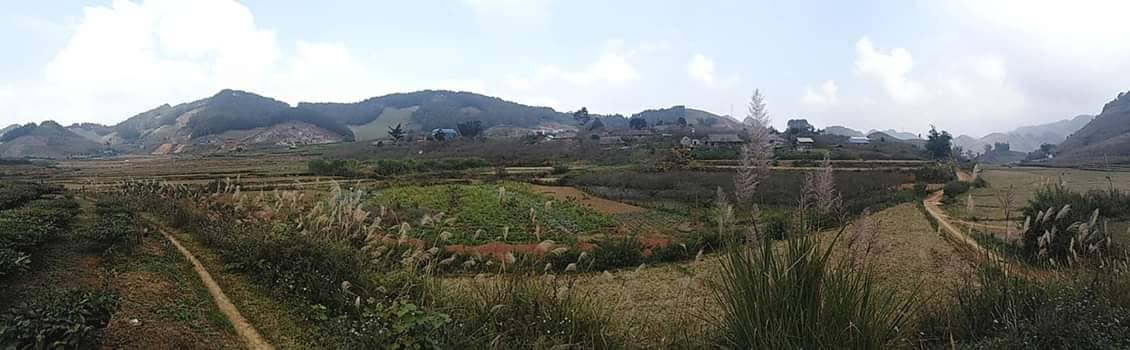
(581, 198)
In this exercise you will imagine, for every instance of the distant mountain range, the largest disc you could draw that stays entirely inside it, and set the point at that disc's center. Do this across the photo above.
(849, 132)
(1026, 138)
(232, 119)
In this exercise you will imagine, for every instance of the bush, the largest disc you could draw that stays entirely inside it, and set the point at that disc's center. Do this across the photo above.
(559, 169)
(920, 188)
(336, 167)
(58, 320)
(955, 188)
(521, 312)
(1006, 311)
(616, 253)
(935, 174)
(980, 182)
(776, 224)
(802, 299)
(36, 223)
(117, 225)
(12, 262)
(388, 167)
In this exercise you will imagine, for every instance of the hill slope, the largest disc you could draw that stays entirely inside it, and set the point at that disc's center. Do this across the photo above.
(1026, 138)
(430, 109)
(227, 111)
(46, 140)
(1107, 135)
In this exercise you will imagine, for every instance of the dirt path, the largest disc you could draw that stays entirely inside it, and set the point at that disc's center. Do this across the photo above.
(963, 175)
(932, 204)
(570, 194)
(245, 330)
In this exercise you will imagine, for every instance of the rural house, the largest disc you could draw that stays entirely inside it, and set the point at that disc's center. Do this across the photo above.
(723, 140)
(804, 142)
(444, 134)
(687, 141)
(859, 140)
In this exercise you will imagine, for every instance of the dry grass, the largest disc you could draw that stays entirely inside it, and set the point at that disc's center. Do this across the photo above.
(653, 304)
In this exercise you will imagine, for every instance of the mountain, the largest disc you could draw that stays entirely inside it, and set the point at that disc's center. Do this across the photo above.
(1107, 135)
(691, 115)
(843, 131)
(46, 140)
(423, 111)
(230, 116)
(896, 134)
(1026, 138)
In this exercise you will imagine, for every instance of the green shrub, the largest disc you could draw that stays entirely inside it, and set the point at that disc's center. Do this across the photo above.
(117, 226)
(936, 173)
(12, 262)
(802, 299)
(955, 188)
(559, 169)
(522, 312)
(392, 325)
(980, 182)
(36, 223)
(335, 167)
(920, 188)
(614, 253)
(1007, 311)
(776, 224)
(57, 320)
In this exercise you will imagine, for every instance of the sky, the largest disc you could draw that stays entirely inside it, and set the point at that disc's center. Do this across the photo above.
(967, 66)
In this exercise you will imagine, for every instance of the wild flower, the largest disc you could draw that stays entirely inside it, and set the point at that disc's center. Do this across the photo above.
(757, 152)
(819, 188)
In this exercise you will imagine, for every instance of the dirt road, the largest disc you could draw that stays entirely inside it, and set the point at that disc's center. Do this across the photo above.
(932, 204)
(245, 330)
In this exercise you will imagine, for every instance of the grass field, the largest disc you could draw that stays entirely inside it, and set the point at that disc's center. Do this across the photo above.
(389, 118)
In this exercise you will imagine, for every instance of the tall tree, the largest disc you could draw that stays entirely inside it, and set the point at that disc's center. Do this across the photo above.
(596, 124)
(637, 123)
(396, 133)
(582, 116)
(756, 153)
(470, 128)
(939, 143)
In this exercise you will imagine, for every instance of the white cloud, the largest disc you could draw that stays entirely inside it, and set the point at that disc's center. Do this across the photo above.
(969, 91)
(611, 67)
(128, 57)
(701, 68)
(826, 94)
(889, 69)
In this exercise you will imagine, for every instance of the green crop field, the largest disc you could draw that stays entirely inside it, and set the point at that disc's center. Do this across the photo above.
(464, 210)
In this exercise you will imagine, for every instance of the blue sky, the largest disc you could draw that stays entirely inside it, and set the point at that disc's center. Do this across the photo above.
(970, 66)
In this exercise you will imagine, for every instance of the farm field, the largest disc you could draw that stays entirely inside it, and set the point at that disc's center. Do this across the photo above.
(641, 251)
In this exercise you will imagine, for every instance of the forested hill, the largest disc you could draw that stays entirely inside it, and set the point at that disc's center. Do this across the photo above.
(441, 109)
(227, 110)
(1106, 135)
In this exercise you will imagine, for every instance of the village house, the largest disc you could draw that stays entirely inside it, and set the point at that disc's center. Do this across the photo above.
(803, 143)
(859, 140)
(723, 140)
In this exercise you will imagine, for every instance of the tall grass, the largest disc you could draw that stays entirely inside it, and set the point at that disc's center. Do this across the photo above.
(804, 298)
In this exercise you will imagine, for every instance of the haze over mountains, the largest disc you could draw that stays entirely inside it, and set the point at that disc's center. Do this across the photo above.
(1026, 138)
(232, 118)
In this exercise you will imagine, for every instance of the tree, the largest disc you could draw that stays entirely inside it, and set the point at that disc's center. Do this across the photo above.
(938, 143)
(988, 148)
(470, 129)
(756, 153)
(596, 124)
(799, 126)
(396, 133)
(582, 116)
(681, 121)
(637, 123)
